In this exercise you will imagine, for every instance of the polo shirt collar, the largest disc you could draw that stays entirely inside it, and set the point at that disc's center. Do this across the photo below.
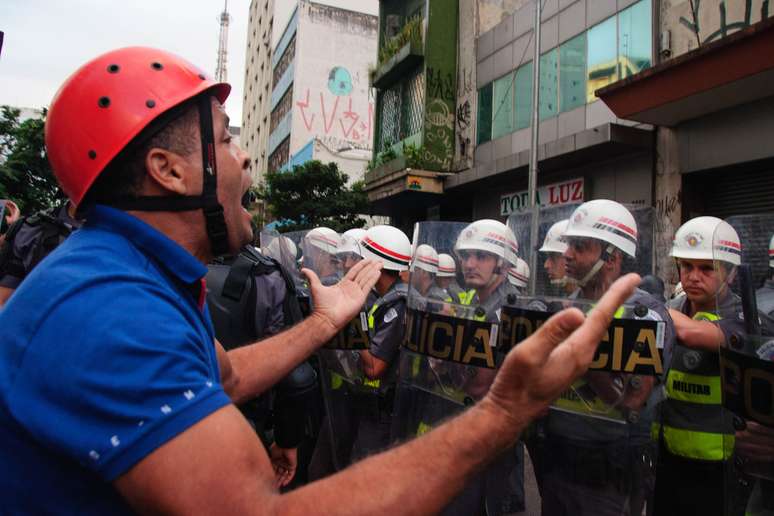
(173, 257)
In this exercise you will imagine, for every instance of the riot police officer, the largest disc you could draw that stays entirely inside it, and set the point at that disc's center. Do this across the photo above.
(765, 294)
(29, 240)
(447, 275)
(597, 455)
(693, 431)
(554, 247)
(424, 269)
(251, 297)
(519, 275)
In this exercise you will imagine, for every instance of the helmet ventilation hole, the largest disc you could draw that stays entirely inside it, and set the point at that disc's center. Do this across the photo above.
(92, 154)
(150, 103)
(103, 102)
(114, 68)
(157, 66)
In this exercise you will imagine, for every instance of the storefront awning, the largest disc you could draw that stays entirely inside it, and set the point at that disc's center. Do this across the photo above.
(734, 70)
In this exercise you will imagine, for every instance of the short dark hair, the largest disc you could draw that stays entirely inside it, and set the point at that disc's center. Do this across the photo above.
(176, 131)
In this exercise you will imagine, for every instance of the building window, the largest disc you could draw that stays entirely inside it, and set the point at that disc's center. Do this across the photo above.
(283, 107)
(572, 73)
(502, 106)
(280, 155)
(602, 57)
(523, 85)
(401, 110)
(484, 125)
(549, 83)
(634, 39)
(285, 60)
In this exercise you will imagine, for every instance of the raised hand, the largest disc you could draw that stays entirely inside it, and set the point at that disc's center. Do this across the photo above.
(536, 371)
(338, 304)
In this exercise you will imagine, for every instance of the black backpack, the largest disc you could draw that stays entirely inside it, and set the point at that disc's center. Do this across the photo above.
(231, 285)
(53, 231)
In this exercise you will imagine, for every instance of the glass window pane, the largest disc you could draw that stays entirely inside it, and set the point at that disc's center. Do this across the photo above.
(602, 55)
(523, 85)
(549, 82)
(634, 39)
(572, 73)
(502, 106)
(485, 114)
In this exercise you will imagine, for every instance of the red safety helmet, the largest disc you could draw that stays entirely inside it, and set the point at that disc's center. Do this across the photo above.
(104, 105)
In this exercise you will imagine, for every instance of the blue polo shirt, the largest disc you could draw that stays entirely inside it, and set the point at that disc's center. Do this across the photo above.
(107, 353)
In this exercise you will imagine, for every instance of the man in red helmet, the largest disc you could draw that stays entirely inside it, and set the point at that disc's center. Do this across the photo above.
(114, 395)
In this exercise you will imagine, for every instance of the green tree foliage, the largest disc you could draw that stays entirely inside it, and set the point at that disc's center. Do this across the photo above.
(25, 174)
(314, 194)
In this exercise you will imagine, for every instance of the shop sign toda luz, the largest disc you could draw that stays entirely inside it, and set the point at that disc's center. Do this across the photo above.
(556, 194)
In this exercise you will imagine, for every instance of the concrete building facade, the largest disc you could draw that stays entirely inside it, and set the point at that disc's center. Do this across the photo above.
(585, 149)
(320, 105)
(710, 98)
(257, 88)
(306, 87)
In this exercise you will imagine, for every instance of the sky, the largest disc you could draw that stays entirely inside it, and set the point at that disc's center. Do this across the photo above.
(47, 40)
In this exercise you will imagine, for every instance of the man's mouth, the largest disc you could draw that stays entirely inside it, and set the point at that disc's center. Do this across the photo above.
(248, 198)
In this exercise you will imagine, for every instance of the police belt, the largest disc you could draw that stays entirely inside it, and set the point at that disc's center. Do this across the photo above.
(589, 464)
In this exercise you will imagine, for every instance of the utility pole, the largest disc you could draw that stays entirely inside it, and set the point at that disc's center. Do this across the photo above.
(221, 75)
(533, 155)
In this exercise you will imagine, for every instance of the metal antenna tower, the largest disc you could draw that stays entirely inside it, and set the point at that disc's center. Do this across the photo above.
(221, 75)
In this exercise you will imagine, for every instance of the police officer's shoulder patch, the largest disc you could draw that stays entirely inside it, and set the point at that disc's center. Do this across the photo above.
(390, 315)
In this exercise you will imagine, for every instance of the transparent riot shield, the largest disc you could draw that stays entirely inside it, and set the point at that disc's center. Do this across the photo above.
(746, 362)
(449, 359)
(593, 452)
(283, 250)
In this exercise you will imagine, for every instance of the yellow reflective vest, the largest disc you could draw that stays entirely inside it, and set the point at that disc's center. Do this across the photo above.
(692, 423)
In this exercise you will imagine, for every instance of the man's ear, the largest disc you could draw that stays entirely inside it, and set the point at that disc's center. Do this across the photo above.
(167, 171)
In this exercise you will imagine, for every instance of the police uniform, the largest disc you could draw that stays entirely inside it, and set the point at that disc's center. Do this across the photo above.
(696, 435)
(31, 241)
(765, 297)
(501, 485)
(359, 417)
(386, 326)
(247, 300)
(594, 465)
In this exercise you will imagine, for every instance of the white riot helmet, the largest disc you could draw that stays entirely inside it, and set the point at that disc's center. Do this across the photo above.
(279, 247)
(446, 266)
(519, 275)
(322, 238)
(490, 236)
(604, 220)
(771, 252)
(388, 245)
(553, 242)
(425, 258)
(350, 241)
(707, 238)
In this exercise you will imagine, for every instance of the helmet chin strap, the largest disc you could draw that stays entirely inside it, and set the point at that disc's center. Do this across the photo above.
(215, 222)
(597, 266)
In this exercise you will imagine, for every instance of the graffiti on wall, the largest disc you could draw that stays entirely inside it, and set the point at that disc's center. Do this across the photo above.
(698, 22)
(333, 113)
(440, 118)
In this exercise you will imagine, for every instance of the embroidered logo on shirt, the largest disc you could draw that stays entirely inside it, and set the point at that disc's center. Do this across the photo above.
(115, 441)
(188, 394)
(166, 409)
(93, 455)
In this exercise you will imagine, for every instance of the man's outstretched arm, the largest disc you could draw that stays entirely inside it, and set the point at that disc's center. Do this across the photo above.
(218, 466)
(250, 370)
